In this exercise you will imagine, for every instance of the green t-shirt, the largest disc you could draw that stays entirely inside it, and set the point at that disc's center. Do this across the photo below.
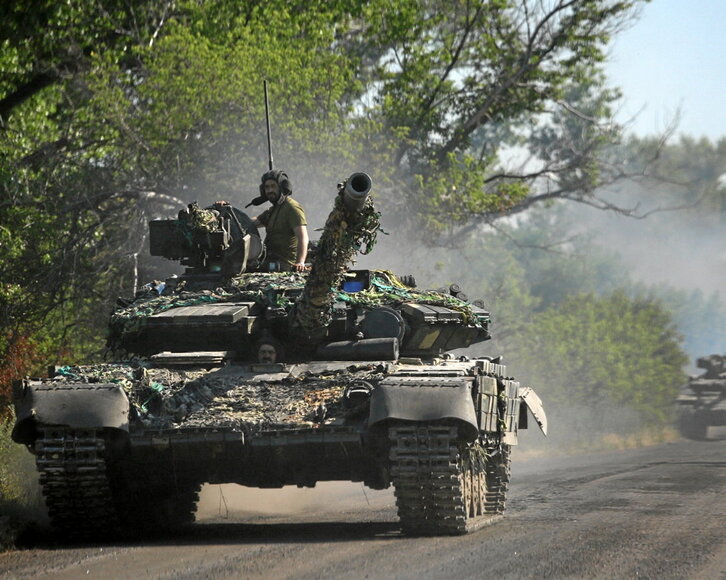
(280, 222)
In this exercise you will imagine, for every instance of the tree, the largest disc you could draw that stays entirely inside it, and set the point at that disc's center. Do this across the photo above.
(692, 178)
(56, 177)
(117, 108)
(606, 352)
(463, 83)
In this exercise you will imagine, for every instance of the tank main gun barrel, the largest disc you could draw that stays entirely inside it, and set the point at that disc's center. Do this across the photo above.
(352, 224)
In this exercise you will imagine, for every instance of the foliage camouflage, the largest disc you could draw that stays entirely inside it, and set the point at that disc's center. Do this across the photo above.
(164, 398)
(345, 234)
(276, 290)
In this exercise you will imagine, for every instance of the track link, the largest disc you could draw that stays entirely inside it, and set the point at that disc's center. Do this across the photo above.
(440, 484)
(74, 478)
(87, 499)
(498, 470)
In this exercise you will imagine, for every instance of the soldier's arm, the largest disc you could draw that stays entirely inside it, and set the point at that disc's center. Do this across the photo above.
(261, 220)
(301, 233)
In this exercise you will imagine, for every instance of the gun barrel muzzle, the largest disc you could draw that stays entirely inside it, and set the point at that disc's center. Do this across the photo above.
(356, 191)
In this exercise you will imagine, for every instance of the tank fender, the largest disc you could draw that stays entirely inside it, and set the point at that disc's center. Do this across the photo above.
(425, 399)
(78, 405)
(534, 404)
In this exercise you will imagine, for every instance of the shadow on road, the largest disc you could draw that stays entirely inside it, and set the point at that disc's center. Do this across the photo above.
(199, 534)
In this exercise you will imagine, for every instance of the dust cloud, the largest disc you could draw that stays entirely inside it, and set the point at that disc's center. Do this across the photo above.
(673, 248)
(235, 502)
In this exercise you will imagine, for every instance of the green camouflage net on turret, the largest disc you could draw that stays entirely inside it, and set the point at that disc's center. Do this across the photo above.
(279, 290)
(387, 290)
(196, 219)
(267, 289)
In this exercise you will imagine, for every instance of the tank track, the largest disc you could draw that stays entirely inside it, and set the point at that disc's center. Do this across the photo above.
(498, 470)
(151, 510)
(440, 484)
(74, 478)
(87, 499)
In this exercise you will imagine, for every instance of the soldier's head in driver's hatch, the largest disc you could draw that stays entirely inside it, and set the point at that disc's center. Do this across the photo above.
(267, 353)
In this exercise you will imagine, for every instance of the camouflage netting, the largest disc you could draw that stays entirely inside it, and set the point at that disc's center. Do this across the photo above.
(275, 290)
(346, 232)
(230, 397)
(387, 290)
(278, 290)
(196, 219)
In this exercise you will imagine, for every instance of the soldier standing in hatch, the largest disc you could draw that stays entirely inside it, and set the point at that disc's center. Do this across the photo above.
(286, 238)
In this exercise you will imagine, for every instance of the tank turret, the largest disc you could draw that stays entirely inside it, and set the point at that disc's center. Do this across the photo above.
(224, 303)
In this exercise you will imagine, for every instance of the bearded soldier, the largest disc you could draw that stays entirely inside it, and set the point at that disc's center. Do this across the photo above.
(286, 238)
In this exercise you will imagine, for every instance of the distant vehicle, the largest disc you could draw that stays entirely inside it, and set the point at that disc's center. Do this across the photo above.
(361, 388)
(702, 402)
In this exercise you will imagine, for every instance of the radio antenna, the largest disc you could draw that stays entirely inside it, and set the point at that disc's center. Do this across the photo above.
(267, 119)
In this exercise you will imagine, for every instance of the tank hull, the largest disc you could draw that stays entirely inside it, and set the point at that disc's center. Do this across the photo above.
(159, 443)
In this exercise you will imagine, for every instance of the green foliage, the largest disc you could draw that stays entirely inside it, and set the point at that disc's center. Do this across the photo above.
(12, 456)
(608, 351)
(20, 497)
(690, 172)
(461, 81)
(454, 194)
(120, 105)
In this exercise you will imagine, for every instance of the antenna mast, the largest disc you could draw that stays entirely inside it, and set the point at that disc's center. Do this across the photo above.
(267, 119)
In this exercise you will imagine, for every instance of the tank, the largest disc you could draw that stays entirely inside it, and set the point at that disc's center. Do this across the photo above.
(360, 385)
(702, 402)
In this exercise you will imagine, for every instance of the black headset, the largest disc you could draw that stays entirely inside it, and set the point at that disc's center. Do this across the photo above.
(282, 180)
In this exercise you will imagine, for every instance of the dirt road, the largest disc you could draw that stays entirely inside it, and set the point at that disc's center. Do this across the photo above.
(658, 512)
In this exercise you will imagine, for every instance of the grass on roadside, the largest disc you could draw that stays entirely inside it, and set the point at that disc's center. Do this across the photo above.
(21, 502)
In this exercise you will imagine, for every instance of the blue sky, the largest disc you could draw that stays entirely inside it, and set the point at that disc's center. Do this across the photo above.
(674, 57)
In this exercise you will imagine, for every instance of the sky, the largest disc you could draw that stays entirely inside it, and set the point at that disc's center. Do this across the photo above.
(673, 57)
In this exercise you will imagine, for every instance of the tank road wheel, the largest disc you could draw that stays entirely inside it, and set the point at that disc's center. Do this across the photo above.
(498, 470)
(74, 478)
(440, 485)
